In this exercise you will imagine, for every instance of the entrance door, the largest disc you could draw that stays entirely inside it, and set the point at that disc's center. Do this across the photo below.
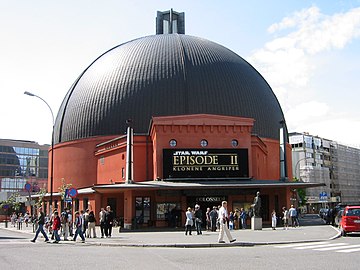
(205, 202)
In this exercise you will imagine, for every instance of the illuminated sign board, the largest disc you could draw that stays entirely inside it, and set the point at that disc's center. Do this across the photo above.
(209, 163)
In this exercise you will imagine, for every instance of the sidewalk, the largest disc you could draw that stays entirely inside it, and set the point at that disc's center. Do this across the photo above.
(248, 237)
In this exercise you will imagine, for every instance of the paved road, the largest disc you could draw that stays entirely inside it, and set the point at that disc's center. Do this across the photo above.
(16, 251)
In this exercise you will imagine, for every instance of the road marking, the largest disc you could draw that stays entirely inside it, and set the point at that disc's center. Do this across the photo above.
(319, 246)
(338, 247)
(14, 242)
(348, 250)
(301, 244)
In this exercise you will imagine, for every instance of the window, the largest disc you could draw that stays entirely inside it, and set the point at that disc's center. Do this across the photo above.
(234, 143)
(172, 143)
(167, 210)
(142, 210)
(203, 143)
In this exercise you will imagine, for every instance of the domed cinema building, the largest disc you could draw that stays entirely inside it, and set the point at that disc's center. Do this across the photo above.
(163, 122)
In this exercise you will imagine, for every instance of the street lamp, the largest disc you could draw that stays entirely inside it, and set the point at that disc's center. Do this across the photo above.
(297, 163)
(52, 148)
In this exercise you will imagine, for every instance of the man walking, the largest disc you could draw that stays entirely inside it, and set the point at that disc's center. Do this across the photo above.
(40, 222)
(65, 224)
(79, 222)
(293, 214)
(223, 220)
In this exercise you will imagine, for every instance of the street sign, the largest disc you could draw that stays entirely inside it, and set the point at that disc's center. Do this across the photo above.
(73, 192)
(323, 196)
(67, 197)
(28, 186)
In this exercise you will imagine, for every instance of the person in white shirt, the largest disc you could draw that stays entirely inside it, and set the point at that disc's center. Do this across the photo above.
(223, 220)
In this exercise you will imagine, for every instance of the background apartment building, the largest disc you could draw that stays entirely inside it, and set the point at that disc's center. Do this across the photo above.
(321, 160)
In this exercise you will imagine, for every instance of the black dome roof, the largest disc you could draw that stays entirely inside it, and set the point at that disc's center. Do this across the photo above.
(164, 75)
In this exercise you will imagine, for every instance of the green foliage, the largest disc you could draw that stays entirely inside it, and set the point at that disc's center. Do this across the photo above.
(301, 193)
(63, 187)
(12, 202)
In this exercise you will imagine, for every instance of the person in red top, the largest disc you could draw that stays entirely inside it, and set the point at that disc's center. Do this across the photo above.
(56, 226)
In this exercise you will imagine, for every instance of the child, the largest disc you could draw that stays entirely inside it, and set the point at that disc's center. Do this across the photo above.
(56, 226)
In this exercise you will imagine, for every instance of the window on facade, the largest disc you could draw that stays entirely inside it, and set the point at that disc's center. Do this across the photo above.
(167, 211)
(234, 143)
(203, 143)
(142, 209)
(85, 203)
(173, 143)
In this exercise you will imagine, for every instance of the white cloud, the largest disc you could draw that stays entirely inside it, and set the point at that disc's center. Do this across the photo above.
(303, 112)
(289, 63)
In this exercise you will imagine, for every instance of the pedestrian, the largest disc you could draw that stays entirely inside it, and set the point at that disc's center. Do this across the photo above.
(285, 218)
(13, 219)
(79, 227)
(223, 220)
(109, 219)
(26, 218)
(208, 219)
(189, 221)
(231, 221)
(102, 221)
(70, 222)
(91, 225)
(64, 224)
(198, 219)
(49, 224)
(236, 219)
(56, 227)
(213, 218)
(273, 219)
(292, 214)
(86, 221)
(20, 220)
(40, 223)
(243, 218)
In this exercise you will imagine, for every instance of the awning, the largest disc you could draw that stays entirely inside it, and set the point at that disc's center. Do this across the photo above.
(245, 184)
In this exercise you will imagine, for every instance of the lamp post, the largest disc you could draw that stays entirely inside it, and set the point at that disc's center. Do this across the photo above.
(52, 148)
(297, 163)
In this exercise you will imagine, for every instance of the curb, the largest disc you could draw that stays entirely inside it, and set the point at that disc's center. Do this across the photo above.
(190, 245)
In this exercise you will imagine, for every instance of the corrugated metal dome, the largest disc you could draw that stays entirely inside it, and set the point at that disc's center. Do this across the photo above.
(164, 75)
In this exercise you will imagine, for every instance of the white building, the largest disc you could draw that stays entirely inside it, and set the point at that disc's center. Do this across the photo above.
(320, 160)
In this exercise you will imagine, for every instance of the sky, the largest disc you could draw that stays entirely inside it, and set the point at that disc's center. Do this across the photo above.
(308, 52)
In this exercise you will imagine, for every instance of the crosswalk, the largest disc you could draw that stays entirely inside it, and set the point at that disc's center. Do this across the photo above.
(323, 246)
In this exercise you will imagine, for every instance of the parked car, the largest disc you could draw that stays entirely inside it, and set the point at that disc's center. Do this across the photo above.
(338, 218)
(323, 212)
(350, 221)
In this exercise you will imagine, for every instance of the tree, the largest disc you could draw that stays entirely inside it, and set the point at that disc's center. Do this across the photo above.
(12, 202)
(301, 193)
(63, 187)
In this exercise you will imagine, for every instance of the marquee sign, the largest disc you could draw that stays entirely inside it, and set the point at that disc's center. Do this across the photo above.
(209, 163)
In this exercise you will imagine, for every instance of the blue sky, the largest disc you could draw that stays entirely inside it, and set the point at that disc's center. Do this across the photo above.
(308, 51)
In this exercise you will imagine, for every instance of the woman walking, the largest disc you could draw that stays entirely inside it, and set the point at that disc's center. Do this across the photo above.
(189, 221)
